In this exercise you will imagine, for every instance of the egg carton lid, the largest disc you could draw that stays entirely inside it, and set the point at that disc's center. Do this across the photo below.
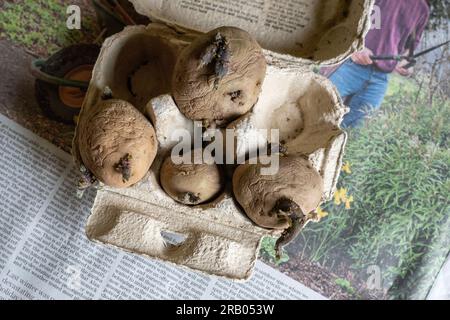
(293, 32)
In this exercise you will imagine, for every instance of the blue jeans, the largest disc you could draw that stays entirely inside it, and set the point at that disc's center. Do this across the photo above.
(365, 86)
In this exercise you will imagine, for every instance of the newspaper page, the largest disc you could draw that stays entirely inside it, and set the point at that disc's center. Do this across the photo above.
(44, 253)
(282, 25)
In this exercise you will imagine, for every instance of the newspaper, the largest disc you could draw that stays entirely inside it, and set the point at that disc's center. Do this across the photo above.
(44, 253)
(283, 26)
(286, 19)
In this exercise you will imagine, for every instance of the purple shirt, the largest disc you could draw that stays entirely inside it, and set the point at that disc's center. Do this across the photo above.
(400, 19)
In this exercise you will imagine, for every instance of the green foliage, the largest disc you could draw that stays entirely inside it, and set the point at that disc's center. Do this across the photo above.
(440, 13)
(345, 285)
(40, 25)
(400, 181)
(268, 251)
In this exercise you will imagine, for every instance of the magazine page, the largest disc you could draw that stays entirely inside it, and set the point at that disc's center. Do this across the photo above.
(386, 234)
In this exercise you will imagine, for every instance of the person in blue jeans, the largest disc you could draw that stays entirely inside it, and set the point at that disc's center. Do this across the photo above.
(364, 85)
(363, 81)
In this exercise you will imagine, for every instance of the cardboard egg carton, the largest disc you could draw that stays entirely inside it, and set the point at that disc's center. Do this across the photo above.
(136, 65)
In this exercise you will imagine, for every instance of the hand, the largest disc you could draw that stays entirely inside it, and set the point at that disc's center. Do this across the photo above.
(363, 57)
(401, 70)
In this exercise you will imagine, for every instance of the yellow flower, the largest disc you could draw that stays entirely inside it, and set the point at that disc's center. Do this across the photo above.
(347, 168)
(337, 198)
(321, 214)
(340, 196)
(348, 201)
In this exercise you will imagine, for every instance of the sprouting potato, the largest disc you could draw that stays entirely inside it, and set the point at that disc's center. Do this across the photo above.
(117, 144)
(281, 201)
(219, 76)
(190, 183)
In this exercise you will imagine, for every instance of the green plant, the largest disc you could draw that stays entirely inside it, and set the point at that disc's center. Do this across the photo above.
(440, 13)
(40, 26)
(268, 251)
(345, 285)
